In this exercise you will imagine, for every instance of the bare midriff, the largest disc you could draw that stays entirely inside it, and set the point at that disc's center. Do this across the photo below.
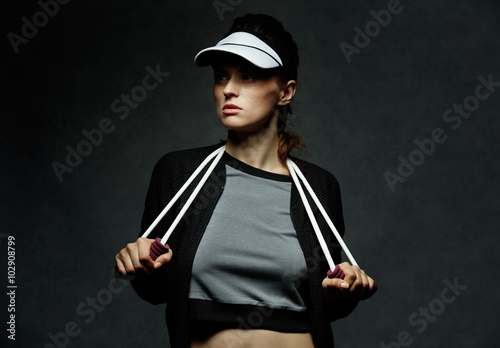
(238, 338)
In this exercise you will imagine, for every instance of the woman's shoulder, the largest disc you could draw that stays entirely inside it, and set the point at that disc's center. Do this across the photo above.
(313, 171)
(186, 158)
(174, 166)
(318, 177)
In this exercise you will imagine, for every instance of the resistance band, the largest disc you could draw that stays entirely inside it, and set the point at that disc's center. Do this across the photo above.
(160, 246)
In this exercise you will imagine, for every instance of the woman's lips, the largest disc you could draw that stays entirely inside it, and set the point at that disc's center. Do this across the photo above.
(231, 109)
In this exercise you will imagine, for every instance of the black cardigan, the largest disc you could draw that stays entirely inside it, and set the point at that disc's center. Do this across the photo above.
(170, 284)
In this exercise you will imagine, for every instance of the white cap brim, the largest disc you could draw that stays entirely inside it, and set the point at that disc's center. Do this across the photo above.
(245, 45)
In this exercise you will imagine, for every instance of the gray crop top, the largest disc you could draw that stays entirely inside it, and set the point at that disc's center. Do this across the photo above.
(247, 262)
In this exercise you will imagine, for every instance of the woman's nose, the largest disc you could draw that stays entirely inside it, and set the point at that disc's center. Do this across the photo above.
(231, 89)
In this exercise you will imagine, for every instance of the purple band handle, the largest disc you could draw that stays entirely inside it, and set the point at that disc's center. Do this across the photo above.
(337, 273)
(157, 249)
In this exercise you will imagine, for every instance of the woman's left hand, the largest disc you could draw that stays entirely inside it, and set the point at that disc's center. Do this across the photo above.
(356, 285)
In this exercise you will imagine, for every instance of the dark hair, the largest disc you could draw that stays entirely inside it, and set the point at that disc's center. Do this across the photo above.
(273, 30)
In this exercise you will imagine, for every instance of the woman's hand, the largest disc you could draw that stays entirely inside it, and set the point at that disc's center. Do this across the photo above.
(134, 260)
(356, 285)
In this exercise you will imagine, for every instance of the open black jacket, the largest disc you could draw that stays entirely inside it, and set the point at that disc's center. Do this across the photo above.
(170, 284)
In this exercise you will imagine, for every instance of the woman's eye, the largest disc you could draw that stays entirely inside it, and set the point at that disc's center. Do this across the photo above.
(248, 76)
(219, 77)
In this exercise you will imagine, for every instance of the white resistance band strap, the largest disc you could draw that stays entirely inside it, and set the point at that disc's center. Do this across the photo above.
(219, 152)
(294, 170)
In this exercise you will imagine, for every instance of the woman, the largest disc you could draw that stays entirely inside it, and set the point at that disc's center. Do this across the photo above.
(247, 269)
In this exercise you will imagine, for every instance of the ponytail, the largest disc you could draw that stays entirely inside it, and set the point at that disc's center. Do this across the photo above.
(287, 142)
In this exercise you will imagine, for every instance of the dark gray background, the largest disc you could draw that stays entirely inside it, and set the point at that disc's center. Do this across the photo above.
(357, 118)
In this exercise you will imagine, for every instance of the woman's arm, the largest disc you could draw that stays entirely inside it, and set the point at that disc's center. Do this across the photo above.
(149, 278)
(342, 296)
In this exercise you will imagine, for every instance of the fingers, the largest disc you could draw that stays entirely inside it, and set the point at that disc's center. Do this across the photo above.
(124, 261)
(163, 259)
(135, 257)
(135, 260)
(356, 277)
(356, 283)
(335, 283)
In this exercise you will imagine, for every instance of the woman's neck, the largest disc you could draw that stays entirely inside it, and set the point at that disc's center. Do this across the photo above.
(258, 150)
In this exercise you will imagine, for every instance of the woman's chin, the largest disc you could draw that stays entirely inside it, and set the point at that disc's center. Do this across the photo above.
(241, 125)
(231, 123)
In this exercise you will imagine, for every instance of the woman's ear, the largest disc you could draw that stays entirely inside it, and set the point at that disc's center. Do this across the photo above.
(287, 92)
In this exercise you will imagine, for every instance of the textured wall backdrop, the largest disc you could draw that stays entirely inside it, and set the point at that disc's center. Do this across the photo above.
(399, 99)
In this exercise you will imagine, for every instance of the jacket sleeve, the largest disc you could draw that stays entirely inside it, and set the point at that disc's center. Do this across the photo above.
(153, 288)
(333, 206)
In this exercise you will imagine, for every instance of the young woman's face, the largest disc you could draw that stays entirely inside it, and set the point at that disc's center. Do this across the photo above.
(245, 96)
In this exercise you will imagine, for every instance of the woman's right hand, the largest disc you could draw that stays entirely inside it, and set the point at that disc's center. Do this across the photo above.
(134, 260)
